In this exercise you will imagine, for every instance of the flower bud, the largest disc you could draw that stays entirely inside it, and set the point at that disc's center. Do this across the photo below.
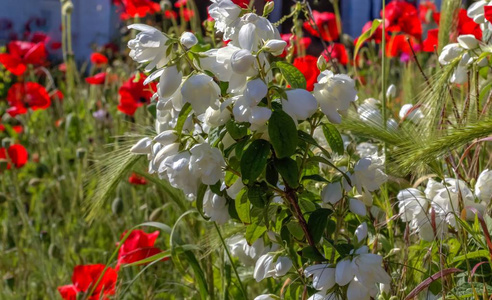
(242, 61)
(166, 137)
(391, 92)
(169, 82)
(468, 41)
(142, 146)
(188, 40)
(361, 232)
(276, 47)
(268, 8)
(6, 142)
(67, 7)
(322, 64)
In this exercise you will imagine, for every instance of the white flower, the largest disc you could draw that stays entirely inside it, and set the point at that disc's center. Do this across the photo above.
(415, 114)
(361, 232)
(275, 47)
(201, 92)
(368, 269)
(159, 154)
(344, 272)
(282, 266)
(266, 297)
(300, 104)
(179, 174)
(432, 188)
(391, 92)
(365, 149)
(449, 53)
(323, 276)
(476, 11)
(148, 46)
(483, 187)
(206, 163)
(331, 193)
(143, 146)
(255, 91)
(357, 291)
(215, 207)
(468, 41)
(246, 107)
(322, 296)
(411, 202)
(188, 39)
(251, 30)
(170, 81)
(265, 267)
(368, 175)
(243, 62)
(334, 94)
(216, 117)
(357, 207)
(166, 137)
(321, 63)
(224, 12)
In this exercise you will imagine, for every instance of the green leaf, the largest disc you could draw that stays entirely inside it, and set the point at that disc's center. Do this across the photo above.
(257, 194)
(254, 232)
(183, 115)
(293, 76)
(287, 167)
(283, 134)
(315, 177)
(303, 136)
(199, 200)
(152, 109)
(254, 160)
(295, 229)
(334, 138)
(312, 254)
(365, 35)
(236, 130)
(243, 206)
(317, 223)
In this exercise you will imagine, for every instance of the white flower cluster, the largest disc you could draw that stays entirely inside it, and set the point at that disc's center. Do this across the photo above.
(430, 212)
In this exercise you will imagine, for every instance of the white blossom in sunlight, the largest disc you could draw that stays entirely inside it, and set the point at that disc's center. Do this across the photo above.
(201, 92)
(143, 146)
(266, 266)
(177, 170)
(251, 30)
(206, 163)
(323, 276)
(332, 193)
(148, 46)
(224, 12)
(368, 175)
(246, 107)
(275, 47)
(361, 232)
(411, 202)
(245, 253)
(483, 187)
(334, 93)
(476, 11)
(409, 112)
(215, 207)
(169, 82)
(449, 53)
(300, 104)
(468, 41)
(188, 39)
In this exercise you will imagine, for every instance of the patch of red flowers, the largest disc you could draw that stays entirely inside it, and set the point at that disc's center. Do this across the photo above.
(17, 154)
(137, 180)
(308, 67)
(97, 79)
(138, 246)
(137, 8)
(16, 128)
(22, 54)
(430, 43)
(85, 277)
(326, 22)
(488, 12)
(22, 96)
(427, 9)
(337, 51)
(98, 59)
(134, 94)
(402, 17)
(466, 25)
(300, 44)
(398, 45)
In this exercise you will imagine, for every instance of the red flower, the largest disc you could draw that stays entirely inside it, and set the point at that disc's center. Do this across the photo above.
(138, 246)
(137, 8)
(16, 153)
(137, 180)
(398, 45)
(98, 59)
(337, 51)
(187, 14)
(466, 25)
(326, 22)
(16, 128)
(170, 15)
(22, 54)
(242, 3)
(377, 36)
(299, 43)
(57, 95)
(135, 94)
(22, 96)
(98, 79)
(180, 3)
(403, 17)
(488, 12)
(427, 9)
(83, 279)
(431, 41)
(308, 67)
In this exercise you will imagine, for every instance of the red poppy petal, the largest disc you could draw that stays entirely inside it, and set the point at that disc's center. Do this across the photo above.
(97, 79)
(18, 155)
(36, 55)
(68, 292)
(98, 59)
(139, 254)
(13, 64)
(488, 12)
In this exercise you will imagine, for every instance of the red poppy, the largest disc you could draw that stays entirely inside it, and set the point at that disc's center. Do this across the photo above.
(137, 8)
(138, 246)
(299, 43)
(170, 15)
(466, 25)
(337, 51)
(430, 43)
(137, 180)
(309, 68)
(134, 94)
(180, 3)
(427, 9)
(326, 22)
(83, 279)
(17, 154)
(377, 36)
(22, 54)
(16, 128)
(488, 12)
(57, 95)
(98, 59)
(22, 96)
(187, 14)
(242, 3)
(402, 17)
(98, 79)
(398, 45)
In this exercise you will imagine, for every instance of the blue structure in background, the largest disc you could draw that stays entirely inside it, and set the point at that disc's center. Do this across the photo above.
(356, 13)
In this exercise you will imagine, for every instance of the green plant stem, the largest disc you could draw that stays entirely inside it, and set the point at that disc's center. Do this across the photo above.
(230, 260)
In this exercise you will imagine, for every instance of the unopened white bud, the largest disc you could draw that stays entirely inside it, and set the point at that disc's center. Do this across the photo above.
(391, 92)
(322, 63)
(188, 39)
(276, 47)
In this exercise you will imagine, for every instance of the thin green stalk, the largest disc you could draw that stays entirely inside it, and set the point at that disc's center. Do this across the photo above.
(232, 263)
